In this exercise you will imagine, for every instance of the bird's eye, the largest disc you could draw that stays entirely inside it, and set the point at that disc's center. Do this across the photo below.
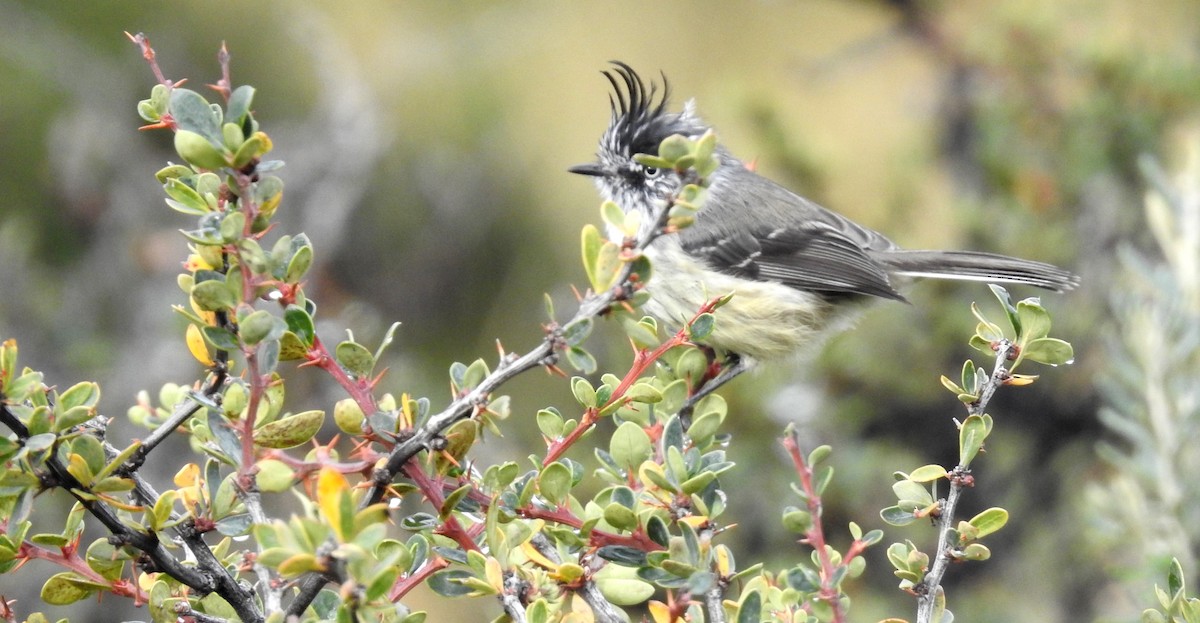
(651, 172)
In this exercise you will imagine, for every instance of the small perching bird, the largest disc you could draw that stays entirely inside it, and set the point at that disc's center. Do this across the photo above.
(794, 267)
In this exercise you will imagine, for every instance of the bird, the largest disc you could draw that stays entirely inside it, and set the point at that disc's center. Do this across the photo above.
(797, 271)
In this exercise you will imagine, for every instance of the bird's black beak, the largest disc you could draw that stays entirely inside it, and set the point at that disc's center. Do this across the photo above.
(594, 169)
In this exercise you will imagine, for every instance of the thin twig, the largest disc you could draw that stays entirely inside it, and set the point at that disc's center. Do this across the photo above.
(928, 589)
(510, 598)
(201, 579)
(714, 603)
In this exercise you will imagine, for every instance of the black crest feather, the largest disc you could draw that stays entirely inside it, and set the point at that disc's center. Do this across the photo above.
(640, 120)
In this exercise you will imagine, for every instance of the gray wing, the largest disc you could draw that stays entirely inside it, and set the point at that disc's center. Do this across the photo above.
(751, 227)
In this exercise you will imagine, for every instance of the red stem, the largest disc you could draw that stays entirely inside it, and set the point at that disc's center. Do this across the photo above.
(433, 492)
(72, 561)
(637, 539)
(407, 583)
(359, 390)
(642, 359)
(815, 536)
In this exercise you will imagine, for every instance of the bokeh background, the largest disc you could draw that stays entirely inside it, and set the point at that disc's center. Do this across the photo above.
(427, 146)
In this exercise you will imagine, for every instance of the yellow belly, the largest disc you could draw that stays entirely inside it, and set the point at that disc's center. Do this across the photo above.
(763, 320)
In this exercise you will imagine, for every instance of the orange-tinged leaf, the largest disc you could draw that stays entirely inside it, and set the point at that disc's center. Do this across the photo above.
(196, 346)
(195, 262)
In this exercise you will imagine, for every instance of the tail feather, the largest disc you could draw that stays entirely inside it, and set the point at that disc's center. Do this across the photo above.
(974, 266)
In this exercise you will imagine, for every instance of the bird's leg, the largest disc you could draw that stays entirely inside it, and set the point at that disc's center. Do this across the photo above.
(734, 366)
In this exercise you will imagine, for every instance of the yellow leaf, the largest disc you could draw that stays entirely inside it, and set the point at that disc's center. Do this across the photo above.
(724, 561)
(195, 344)
(146, 580)
(495, 575)
(659, 612)
(195, 262)
(536, 556)
(187, 475)
(77, 466)
(331, 486)
(209, 318)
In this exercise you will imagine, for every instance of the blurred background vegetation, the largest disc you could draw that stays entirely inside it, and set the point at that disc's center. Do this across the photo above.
(427, 147)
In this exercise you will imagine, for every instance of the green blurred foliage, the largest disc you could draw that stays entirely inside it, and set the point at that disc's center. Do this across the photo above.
(1010, 127)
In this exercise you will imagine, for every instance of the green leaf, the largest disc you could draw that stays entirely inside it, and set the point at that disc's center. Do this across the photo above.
(239, 104)
(1006, 302)
(581, 360)
(233, 226)
(975, 551)
(625, 591)
(300, 323)
(474, 375)
(290, 431)
(908, 491)
(674, 147)
(642, 334)
(750, 610)
(198, 151)
(644, 392)
(184, 198)
(355, 358)
(220, 337)
(40, 442)
(820, 453)
(583, 391)
(1049, 351)
(620, 517)
(576, 332)
(702, 327)
(989, 521)
(258, 326)
(927, 473)
(622, 555)
(550, 423)
(1034, 319)
(613, 215)
(66, 588)
(968, 377)
(1175, 581)
(274, 476)
(697, 483)
(252, 254)
(235, 525)
(554, 482)
(630, 446)
(705, 425)
(451, 502)
(603, 274)
(797, 520)
(299, 264)
(232, 136)
(590, 246)
(193, 113)
(213, 295)
(971, 436)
